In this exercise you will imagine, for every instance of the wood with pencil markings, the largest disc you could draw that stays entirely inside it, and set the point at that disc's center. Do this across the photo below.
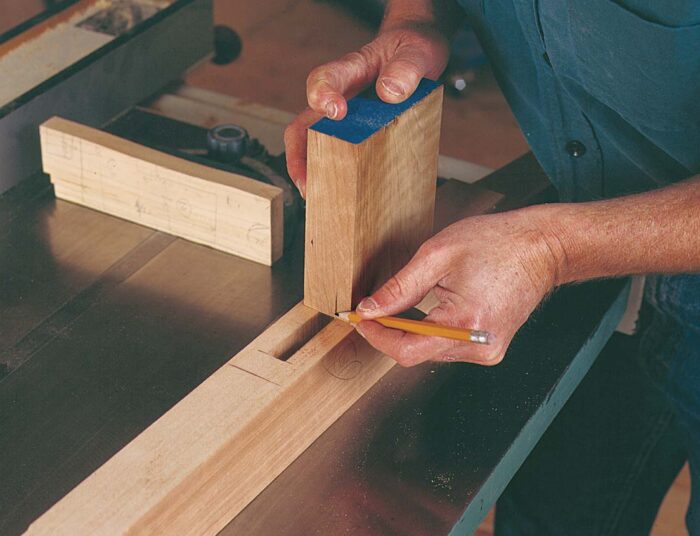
(220, 209)
(208, 457)
(370, 195)
(201, 463)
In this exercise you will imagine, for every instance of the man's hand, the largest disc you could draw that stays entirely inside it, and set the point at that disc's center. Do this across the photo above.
(404, 52)
(488, 272)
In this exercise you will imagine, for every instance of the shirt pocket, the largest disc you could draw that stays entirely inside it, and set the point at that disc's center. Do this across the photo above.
(646, 71)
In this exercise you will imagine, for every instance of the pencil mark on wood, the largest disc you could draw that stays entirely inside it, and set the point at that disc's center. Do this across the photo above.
(140, 209)
(258, 233)
(131, 181)
(343, 362)
(66, 148)
(184, 207)
(253, 374)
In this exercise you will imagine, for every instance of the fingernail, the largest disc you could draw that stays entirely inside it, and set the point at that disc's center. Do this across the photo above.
(393, 87)
(368, 305)
(331, 109)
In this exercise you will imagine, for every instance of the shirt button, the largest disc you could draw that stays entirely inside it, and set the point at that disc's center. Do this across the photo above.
(575, 148)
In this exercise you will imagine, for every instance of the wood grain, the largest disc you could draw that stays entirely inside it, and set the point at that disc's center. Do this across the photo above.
(223, 210)
(369, 205)
(200, 464)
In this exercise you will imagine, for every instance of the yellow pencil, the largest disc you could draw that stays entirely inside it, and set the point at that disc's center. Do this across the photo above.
(422, 327)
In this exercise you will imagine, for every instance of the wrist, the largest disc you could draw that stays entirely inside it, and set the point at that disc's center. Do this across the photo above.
(398, 12)
(554, 240)
(442, 16)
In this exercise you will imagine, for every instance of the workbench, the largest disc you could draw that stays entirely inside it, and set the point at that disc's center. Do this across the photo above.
(105, 325)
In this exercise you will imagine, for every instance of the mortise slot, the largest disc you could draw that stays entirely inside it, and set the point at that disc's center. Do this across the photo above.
(292, 331)
(295, 341)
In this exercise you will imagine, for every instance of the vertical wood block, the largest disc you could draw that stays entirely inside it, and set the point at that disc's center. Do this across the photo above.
(370, 195)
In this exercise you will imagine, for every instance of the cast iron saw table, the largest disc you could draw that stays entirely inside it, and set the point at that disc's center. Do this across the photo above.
(105, 325)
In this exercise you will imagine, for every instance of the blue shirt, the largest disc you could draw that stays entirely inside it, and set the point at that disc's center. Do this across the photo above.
(607, 93)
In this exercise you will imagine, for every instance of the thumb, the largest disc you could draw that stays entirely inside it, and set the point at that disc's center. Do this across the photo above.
(401, 75)
(404, 290)
(328, 85)
(295, 141)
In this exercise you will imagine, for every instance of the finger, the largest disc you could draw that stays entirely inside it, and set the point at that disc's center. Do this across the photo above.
(481, 354)
(295, 139)
(409, 286)
(400, 77)
(408, 349)
(328, 85)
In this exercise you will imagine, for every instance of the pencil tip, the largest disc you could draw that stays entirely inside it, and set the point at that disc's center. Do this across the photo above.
(344, 316)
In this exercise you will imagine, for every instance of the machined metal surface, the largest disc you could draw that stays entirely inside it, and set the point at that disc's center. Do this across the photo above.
(429, 449)
(105, 325)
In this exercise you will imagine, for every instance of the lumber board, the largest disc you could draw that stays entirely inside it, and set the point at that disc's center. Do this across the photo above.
(370, 195)
(222, 210)
(201, 463)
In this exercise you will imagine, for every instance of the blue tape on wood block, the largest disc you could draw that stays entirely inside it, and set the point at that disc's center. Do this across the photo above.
(366, 115)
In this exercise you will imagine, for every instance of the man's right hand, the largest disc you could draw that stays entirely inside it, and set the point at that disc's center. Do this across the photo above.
(403, 53)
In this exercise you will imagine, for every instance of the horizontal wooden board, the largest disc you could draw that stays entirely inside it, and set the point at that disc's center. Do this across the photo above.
(223, 210)
(206, 459)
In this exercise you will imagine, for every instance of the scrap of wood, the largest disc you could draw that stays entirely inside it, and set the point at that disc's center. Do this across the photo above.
(370, 195)
(522, 182)
(220, 209)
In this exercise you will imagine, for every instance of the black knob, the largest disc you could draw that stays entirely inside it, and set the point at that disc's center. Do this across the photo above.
(227, 45)
(227, 143)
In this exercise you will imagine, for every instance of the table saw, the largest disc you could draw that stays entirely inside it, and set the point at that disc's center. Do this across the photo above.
(105, 325)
